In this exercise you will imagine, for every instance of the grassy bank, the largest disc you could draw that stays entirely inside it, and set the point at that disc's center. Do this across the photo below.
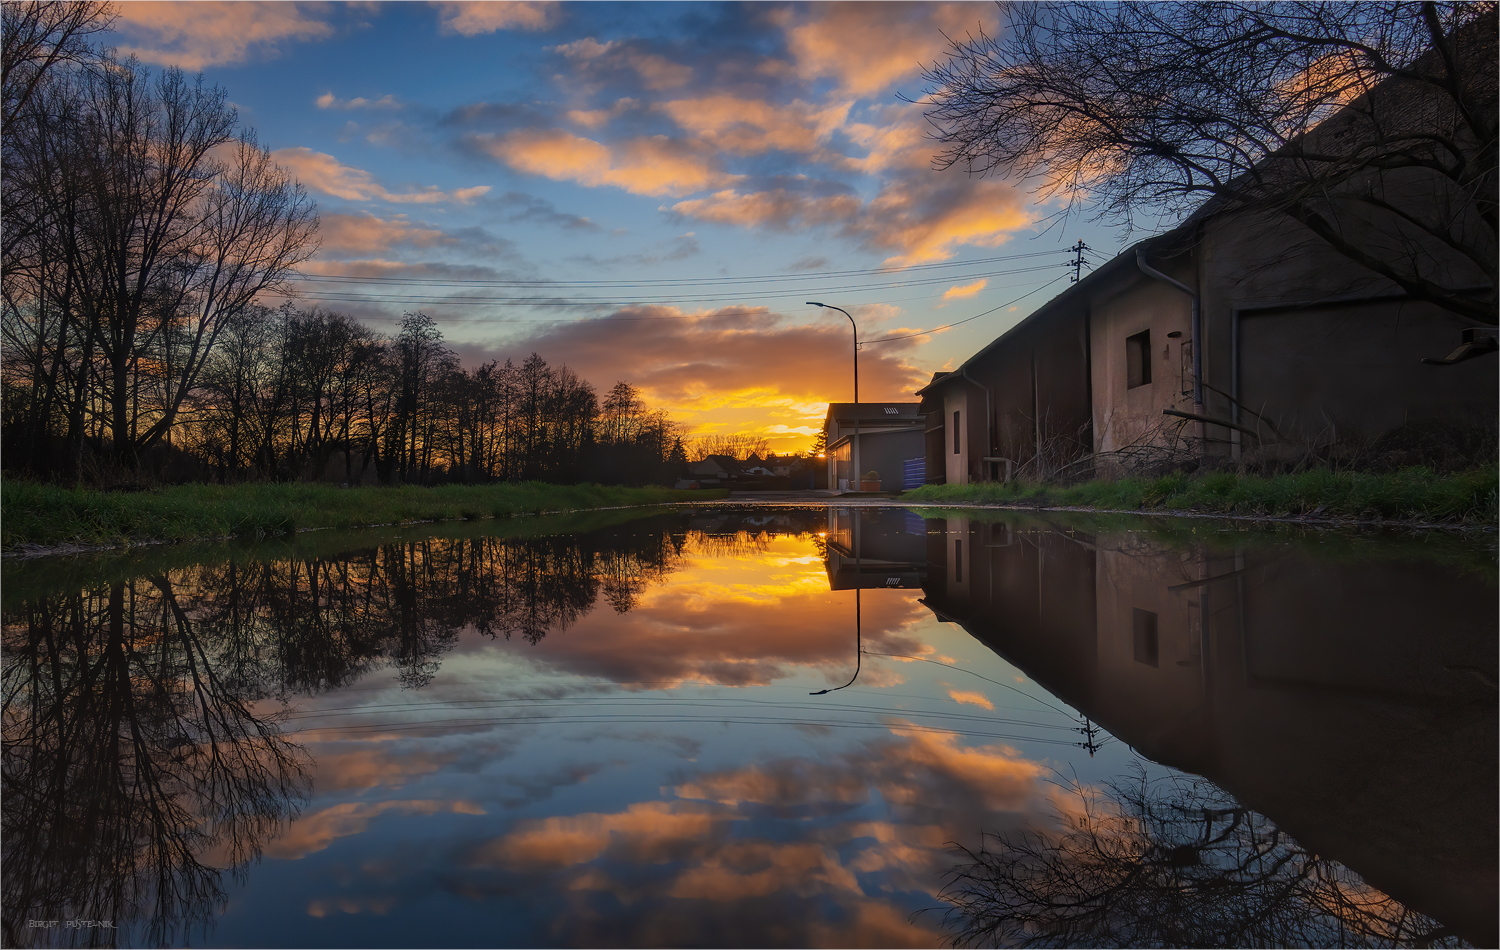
(1414, 494)
(32, 513)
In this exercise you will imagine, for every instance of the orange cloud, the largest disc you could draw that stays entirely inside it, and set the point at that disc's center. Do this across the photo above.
(646, 832)
(368, 234)
(490, 16)
(779, 209)
(750, 126)
(873, 924)
(372, 765)
(970, 697)
(588, 55)
(918, 218)
(322, 172)
(997, 777)
(329, 101)
(211, 32)
(967, 290)
(927, 220)
(594, 118)
(868, 46)
(741, 869)
(314, 832)
(655, 165)
(780, 786)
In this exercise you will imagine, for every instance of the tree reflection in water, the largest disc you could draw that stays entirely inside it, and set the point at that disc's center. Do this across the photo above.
(135, 769)
(1166, 862)
(140, 766)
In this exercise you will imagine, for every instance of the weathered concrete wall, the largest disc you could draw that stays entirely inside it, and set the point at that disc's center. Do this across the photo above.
(1125, 416)
(1350, 373)
(1319, 364)
(1037, 379)
(956, 398)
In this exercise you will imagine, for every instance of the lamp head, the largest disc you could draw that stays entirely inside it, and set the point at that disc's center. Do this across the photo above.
(814, 303)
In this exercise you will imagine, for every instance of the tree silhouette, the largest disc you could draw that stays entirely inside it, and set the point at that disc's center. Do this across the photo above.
(1371, 124)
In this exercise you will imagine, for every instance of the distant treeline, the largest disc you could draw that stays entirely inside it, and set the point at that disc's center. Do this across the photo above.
(292, 394)
(143, 225)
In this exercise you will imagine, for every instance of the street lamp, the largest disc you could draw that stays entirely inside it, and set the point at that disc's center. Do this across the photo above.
(855, 454)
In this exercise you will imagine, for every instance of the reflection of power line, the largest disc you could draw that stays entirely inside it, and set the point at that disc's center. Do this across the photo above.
(981, 676)
(440, 724)
(340, 712)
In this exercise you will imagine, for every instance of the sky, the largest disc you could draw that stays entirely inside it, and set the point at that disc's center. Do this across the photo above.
(647, 192)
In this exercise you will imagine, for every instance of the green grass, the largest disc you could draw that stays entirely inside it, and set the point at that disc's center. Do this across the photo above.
(33, 513)
(1413, 494)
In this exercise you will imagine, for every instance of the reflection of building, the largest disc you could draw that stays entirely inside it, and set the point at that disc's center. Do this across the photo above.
(875, 547)
(1354, 705)
(868, 437)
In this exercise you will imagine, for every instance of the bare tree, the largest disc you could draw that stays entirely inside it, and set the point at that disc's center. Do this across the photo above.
(1373, 124)
(42, 34)
(740, 445)
(156, 223)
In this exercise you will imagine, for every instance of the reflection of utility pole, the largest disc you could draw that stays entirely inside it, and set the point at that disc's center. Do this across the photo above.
(1090, 733)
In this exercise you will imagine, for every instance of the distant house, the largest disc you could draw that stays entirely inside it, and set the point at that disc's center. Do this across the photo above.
(781, 466)
(872, 436)
(715, 470)
(755, 466)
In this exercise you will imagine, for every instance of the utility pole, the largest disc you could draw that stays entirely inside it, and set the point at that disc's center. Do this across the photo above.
(1077, 262)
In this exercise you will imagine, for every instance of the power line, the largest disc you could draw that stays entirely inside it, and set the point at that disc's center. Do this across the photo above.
(961, 322)
(666, 282)
(555, 301)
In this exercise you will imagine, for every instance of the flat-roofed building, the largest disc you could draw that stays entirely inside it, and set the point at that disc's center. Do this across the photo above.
(880, 437)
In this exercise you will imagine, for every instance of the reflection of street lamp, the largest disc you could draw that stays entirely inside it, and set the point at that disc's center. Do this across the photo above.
(856, 472)
(859, 650)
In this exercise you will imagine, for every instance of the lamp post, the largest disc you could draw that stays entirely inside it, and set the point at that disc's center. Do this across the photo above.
(855, 454)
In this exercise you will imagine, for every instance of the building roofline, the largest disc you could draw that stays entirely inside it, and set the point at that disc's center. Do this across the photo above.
(1125, 258)
(872, 433)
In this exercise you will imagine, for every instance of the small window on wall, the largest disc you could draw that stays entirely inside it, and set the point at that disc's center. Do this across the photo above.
(1138, 360)
(955, 432)
(1145, 636)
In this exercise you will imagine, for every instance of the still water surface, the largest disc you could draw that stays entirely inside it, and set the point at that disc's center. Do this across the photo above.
(756, 727)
